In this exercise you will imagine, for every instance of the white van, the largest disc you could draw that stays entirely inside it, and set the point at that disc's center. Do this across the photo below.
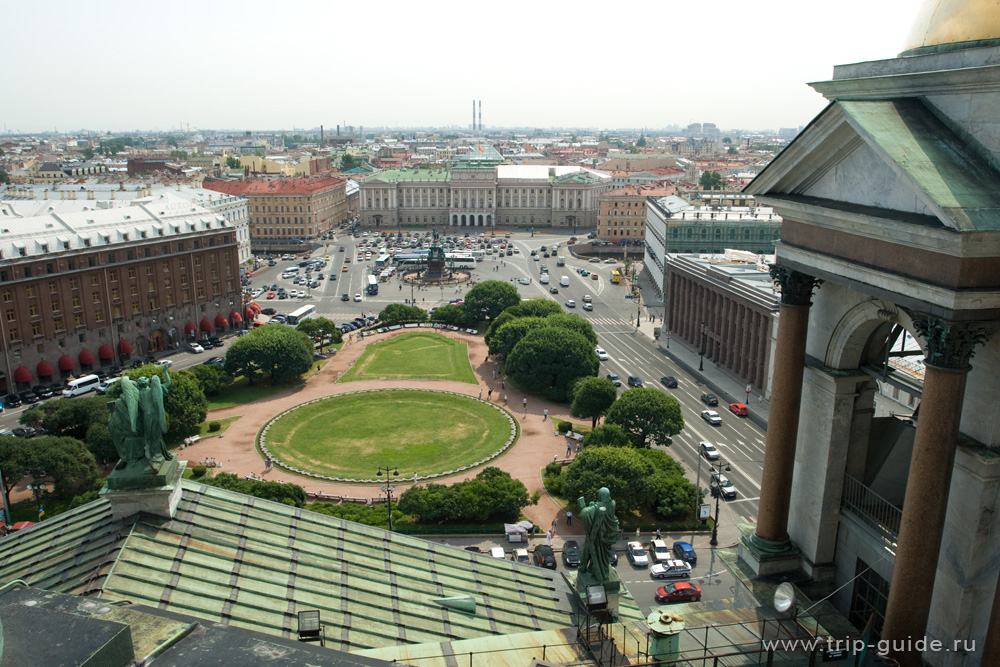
(564, 281)
(81, 385)
(544, 279)
(103, 387)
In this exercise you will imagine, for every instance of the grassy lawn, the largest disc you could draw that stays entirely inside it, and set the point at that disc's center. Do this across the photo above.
(240, 392)
(420, 355)
(224, 424)
(417, 431)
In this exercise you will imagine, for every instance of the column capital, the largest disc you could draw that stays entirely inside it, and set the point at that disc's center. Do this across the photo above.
(950, 345)
(796, 288)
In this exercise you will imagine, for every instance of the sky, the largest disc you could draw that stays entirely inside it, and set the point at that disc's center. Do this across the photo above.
(108, 65)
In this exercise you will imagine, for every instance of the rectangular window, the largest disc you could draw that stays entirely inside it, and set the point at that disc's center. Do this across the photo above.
(93, 281)
(149, 269)
(98, 315)
(131, 272)
(10, 314)
(55, 305)
(30, 291)
(52, 287)
(78, 319)
(13, 334)
(36, 329)
(113, 275)
(133, 290)
(7, 296)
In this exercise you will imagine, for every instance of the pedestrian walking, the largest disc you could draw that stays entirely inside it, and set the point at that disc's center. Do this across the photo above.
(760, 400)
(503, 385)
(494, 375)
(569, 518)
(505, 399)
(569, 449)
(555, 457)
(524, 402)
(657, 533)
(578, 450)
(489, 394)
(548, 538)
(480, 393)
(545, 414)
(637, 533)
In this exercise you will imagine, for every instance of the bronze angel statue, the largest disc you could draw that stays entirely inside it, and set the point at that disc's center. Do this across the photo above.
(138, 421)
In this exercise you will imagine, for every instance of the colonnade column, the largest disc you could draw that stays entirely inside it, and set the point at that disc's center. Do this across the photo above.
(948, 349)
(771, 534)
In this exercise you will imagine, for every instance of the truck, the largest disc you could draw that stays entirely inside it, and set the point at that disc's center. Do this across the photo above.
(560, 261)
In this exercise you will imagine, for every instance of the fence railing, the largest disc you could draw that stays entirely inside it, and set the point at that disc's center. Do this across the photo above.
(871, 509)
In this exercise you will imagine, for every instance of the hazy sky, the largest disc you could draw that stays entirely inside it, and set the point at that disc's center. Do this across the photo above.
(294, 64)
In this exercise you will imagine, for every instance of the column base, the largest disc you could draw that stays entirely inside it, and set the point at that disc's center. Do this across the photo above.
(766, 557)
(161, 500)
(612, 589)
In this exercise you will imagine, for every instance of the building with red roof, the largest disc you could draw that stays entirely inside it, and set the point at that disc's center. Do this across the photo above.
(622, 213)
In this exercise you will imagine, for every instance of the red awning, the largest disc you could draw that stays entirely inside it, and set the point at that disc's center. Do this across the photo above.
(124, 346)
(86, 357)
(21, 525)
(189, 329)
(105, 352)
(44, 369)
(205, 325)
(221, 322)
(235, 317)
(22, 374)
(255, 306)
(250, 314)
(66, 363)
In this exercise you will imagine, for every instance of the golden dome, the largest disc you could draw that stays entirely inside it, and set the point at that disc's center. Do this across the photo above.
(953, 22)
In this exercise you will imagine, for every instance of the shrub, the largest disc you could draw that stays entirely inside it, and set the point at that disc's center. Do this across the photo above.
(214, 426)
(564, 427)
(198, 471)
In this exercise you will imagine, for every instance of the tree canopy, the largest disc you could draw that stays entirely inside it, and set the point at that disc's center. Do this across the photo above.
(710, 180)
(607, 435)
(213, 378)
(289, 494)
(282, 352)
(397, 313)
(65, 461)
(319, 329)
(490, 298)
(622, 469)
(592, 397)
(648, 416)
(454, 315)
(550, 360)
(511, 333)
(492, 495)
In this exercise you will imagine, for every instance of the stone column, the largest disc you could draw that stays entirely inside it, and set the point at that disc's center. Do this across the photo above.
(991, 646)
(771, 534)
(949, 347)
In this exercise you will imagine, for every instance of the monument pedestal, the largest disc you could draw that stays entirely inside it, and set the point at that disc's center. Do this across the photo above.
(765, 557)
(141, 488)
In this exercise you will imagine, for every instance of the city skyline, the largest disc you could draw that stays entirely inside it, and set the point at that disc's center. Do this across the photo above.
(224, 65)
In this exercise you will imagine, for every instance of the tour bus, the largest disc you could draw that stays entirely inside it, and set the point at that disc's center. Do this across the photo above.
(478, 255)
(616, 277)
(382, 262)
(81, 385)
(372, 285)
(300, 315)
(460, 260)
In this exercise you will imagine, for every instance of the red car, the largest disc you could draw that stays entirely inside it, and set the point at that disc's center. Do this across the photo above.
(679, 591)
(270, 295)
(738, 409)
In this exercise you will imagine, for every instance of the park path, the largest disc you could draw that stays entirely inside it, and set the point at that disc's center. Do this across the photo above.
(537, 445)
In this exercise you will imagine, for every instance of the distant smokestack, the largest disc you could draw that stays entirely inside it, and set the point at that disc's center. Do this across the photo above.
(338, 130)
(480, 115)
(473, 115)
(321, 136)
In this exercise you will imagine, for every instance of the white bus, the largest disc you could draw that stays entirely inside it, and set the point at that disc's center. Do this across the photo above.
(479, 255)
(382, 262)
(460, 260)
(372, 285)
(81, 385)
(300, 315)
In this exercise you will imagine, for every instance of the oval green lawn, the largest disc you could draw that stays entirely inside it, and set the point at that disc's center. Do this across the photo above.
(420, 355)
(350, 436)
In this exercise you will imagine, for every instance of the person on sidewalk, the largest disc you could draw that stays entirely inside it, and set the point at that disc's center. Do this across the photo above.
(545, 414)
(569, 449)
(569, 518)
(548, 538)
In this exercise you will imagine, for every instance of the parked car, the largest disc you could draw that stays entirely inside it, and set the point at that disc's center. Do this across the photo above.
(24, 432)
(215, 361)
(215, 341)
(268, 311)
(738, 409)
(543, 556)
(671, 569)
(721, 484)
(678, 591)
(357, 297)
(345, 297)
(659, 551)
(570, 303)
(712, 417)
(708, 450)
(588, 306)
(669, 381)
(571, 553)
(709, 399)
(42, 391)
(11, 401)
(520, 556)
(166, 363)
(601, 354)
(498, 552)
(196, 348)
(634, 381)
(637, 554)
(685, 552)
(28, 396)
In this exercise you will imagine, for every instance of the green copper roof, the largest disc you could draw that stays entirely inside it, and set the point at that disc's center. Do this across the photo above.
(245, 562)
(436, 175)
(960, 183)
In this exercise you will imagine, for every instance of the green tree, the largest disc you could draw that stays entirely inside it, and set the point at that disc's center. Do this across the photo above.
(537, 307)
(490, 298)
(185, 404)
(4, 178)
(320, 329)
(281, 352)
(74, 418)
(550, 360)
(397, 313)
(212, 377)
(179, 155)
(452, 314)
(607, 435)
(232, 162)
(623, 470)
(648, 416)
(573, 323)
(87, 153)
(66, 462)
(375, 515)
(15, 458)
(634, 149)
(493, 495)
(289, 494)
(511, 333)
(642, 141)
(674, 496)
(732, 150)
(710, 180)
(100, 444)
(592, 397)
(348, 162)
(172, 141)
(727, 140)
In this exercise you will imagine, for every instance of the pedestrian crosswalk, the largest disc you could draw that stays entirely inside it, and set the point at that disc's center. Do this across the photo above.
(609, 321)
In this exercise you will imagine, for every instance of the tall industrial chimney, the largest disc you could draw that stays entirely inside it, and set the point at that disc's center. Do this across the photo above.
(338, 130)
(321, 136)
(480, 115)
(473, 116)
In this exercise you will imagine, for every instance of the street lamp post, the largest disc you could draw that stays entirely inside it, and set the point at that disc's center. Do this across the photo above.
(389, 488)
(701, 352)
(718, 494)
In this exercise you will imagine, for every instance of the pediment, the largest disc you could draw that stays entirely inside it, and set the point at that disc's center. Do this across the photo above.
(894, 155)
